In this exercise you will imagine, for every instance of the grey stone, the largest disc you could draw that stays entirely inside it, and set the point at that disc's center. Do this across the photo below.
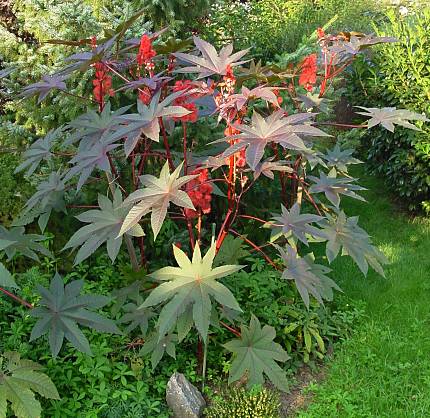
(183, 398)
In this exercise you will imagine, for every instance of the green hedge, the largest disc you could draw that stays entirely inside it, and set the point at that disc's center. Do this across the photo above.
(399, 75)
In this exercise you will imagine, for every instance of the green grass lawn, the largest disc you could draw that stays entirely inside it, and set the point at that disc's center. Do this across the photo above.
(384, 369)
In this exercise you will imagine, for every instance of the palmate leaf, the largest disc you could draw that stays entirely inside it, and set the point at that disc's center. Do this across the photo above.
(340, 159)
(231, 251)
(82, 60)
(292, 223)
(62, 308)
(156, 198)
(146, 121)
(268, 166)
(93, 127)
(210, 62)
(153, 83)
(6, 279)
(387, 117)
(103, 226)
(86, 161)
(333, 187)
(344, 233)
(128, 299)
(44, 87)
(255, 354)
(19, 380)
(136, 317)
(171, 45)
(15, 240)
(192, 284)
(277, 128)
(39, 151)
(49, 194)
(354, 44)
(158, 347)
(312, 102)
(237, 101)
(310, 278)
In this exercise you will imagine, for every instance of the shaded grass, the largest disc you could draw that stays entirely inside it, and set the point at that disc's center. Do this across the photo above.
(384, 369)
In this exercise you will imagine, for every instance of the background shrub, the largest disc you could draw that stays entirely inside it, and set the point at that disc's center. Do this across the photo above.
(399, 75)
(274, 26)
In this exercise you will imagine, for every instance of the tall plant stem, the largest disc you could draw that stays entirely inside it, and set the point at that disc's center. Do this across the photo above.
(281, 175)
(144, 156)
(142, 252)
(205, 355)
(200, 356)
(224, 230)
(166, 145)
(199, 226)
(190, 230)
(184, 127)
(17, 298)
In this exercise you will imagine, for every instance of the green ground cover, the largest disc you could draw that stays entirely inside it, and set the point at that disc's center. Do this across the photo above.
(383, 370)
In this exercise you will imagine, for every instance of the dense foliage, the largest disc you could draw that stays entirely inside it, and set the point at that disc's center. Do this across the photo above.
(400, 76)
(166, 142)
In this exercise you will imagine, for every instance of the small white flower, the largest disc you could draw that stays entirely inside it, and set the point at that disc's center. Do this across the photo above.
(403, 10)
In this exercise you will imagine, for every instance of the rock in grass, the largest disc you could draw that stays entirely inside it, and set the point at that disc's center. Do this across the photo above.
(183, 398)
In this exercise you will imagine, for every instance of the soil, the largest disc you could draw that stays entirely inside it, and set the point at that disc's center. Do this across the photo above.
(296, 398)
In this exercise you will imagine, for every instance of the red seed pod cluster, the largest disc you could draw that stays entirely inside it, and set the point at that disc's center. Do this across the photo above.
(102, 83)
(145, 53)
(200, 193)
(308, 76)
(185, 85)
(279, 98)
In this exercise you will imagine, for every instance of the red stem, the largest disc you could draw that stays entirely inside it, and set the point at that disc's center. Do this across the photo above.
(82, 206)
(253, 217)
(255, 246)
(184, 126)
(234, 331)
(133, 171)
(166, 145)
(223, 231)
(17, 298)
(281, 175)
(144, 156)
(342, 125)
(142, 252)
